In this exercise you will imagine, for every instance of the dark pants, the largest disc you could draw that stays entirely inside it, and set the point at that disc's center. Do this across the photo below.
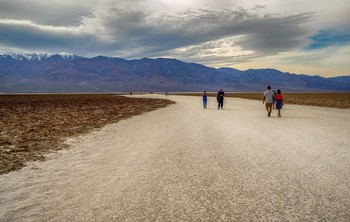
(221, 102)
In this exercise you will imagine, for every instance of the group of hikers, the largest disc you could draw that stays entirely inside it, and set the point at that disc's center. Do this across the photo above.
(270, 99)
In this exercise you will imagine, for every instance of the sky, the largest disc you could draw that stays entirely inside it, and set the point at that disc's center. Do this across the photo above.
(297, 36)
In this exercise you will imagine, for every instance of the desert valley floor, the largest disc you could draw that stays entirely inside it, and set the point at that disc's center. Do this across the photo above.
(186, 163)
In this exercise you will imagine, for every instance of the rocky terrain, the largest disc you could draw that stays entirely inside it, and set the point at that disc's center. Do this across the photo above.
(186, 163)
(33, 125)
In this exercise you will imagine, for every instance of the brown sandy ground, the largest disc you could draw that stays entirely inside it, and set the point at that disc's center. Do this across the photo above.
(33, 125)
(331, 100)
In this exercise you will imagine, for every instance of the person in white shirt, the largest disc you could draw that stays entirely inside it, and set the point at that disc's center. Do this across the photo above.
(268, 100)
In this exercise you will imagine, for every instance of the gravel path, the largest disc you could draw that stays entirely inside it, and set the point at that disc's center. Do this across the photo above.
(184, 163)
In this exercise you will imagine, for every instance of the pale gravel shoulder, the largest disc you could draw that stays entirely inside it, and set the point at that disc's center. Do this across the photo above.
(184, 163)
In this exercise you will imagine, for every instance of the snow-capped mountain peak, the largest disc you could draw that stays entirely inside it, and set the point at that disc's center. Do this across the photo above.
(67, 56)
(35, 56)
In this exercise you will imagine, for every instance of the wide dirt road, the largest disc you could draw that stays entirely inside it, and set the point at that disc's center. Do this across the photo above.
(184, 163)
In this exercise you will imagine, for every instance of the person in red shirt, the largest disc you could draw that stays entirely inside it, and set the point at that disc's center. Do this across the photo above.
(279, 102)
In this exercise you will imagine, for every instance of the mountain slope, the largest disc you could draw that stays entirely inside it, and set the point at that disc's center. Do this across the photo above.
(279, 79)
(71, 73)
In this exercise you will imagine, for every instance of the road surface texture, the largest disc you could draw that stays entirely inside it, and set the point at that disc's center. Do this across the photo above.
(186, 163)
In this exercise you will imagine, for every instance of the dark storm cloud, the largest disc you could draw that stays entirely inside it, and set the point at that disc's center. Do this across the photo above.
(276, 34)
(126, 31)
(45, 12)
(29, 36)
(165, 32)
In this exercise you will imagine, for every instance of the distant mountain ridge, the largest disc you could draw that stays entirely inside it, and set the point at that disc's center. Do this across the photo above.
(63, 72)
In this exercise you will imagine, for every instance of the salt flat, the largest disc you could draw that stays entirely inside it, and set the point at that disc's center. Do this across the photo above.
(184, 163)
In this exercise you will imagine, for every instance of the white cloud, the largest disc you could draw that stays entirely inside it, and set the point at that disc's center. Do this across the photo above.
(215, 53)
(330, 61)
(30, 24)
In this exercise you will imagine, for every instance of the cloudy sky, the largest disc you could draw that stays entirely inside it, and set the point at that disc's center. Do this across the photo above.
(297, 36)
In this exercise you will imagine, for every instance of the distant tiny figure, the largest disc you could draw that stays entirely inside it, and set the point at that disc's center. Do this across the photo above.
(220, 99)
(279, 102)
(130, 93)
(205, 99)
(268, 100)
(166, 93)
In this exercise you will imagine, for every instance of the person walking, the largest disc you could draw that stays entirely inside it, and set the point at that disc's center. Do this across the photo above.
(279, 102)
(205, 99)
(268, 100)
(220, 98)
(273, 99)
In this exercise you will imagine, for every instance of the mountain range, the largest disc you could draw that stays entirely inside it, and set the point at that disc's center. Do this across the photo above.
(62, 72)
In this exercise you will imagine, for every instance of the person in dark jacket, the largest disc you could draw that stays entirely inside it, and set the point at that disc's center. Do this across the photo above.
(205, 99)
(220, 98)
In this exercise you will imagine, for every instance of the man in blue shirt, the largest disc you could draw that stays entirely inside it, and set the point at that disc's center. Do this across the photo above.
(220, 98)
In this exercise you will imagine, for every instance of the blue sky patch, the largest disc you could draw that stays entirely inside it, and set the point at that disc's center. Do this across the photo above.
(325, 38)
